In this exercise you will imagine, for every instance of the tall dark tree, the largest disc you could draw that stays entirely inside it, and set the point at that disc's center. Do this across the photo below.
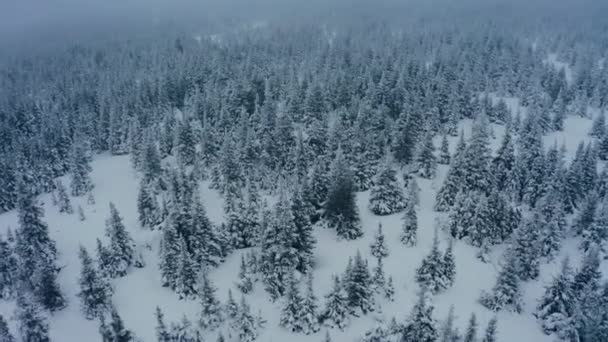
(341, 209)
(386, 195)
(95, 292)
(33, 325)
(420, 325)
(121, 250)
(335, 313)
(80, 168)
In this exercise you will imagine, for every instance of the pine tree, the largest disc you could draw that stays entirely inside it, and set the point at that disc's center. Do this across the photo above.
(426, 162)
(430, 274)
(389, 293)
(412, 192)
(378, 333)
(335, 313)
(341, 209)
(210, 316)
(33, 325)
(444, 151)
(446, 196)
(290, 313)
(589, 275)
(63, 200)
(309, 317)
(121, 249)
(409, 229)
(504, 162)
(245, 283)
(525, 248)
(186, 143)
(421, 326)
(46, 288)
(470, 334)
(357, 284)
(378, 246)
(183, 331)
(80, 168)
(231, 308)
(491, 331)
(95, 292)
(5, 334)
(556, 310)
(506, 293)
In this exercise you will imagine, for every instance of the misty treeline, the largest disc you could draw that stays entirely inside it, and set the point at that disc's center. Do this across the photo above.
(312, 115)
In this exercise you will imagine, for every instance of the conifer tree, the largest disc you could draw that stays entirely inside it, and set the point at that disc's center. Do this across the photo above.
(586, 215)
(162, 332)
(409, 229)
(341, 209)
(491, 331)
(449, 265)
(386, 196)
(46, 288)
(430, 274)
(245, 283)
(444, 151)
(378, 246)
(231, 308)
(170, 256)
(121, 249)
(33, 325)
(420, 325)
(186, 143)
(448, 332)
(470, 334)
(597, 232)
(247, 329)
(446, 196)
(304, 240)
(186, 283)
(588, 276)
(504, 162)
(147, 207)
(426, 162)
(357, 284)
(63, 200)
(506, 293)
(211, 311)
(290, 313)
(389, 292)
(95, 292)
(309, 312)
(116, 331)
(378, 333)
(8, 270)
(598, 128)
(378, 278)
(526, 248)
(80, 170)
(5, 334)
(556, 310)
(335, 313)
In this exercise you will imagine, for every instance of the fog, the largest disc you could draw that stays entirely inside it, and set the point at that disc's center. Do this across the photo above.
(24, 23)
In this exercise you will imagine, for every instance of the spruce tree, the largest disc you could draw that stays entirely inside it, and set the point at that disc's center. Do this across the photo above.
(169, 256)
(80, 168)
(389, 293)
(386, 196)
(116, 331)
(335, 312)
(470, 334)
(597, 232)
(598, 127)
(8, 270)
(409, 229)
(526, 248)
(309, 318)
(506, 293)
(210, 316)
(357, 284)
(449, 333)
(426, 162)
(420, 325)
(147, 207)
(304, 240)
(5, 334)
(246, 329)
(290, 313)
(95, 292)
(187, 273)
(245, 283)
(340, 206)
(162, 332)
(378, 278)
(444, 151)
(449, 265)
(63, 200)
(491, 331)
(122, 248)
(33, 325)
(231, 307)
(46, 288)
(431, 274)
(504, 162)
(557, 308)
(378, 246)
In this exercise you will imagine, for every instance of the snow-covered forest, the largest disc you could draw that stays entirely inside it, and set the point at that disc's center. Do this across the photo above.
(437, 178)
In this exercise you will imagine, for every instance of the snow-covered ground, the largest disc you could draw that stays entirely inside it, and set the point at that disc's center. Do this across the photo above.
(137, 294)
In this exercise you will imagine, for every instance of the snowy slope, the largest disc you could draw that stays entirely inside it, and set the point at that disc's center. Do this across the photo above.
(137, 294)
